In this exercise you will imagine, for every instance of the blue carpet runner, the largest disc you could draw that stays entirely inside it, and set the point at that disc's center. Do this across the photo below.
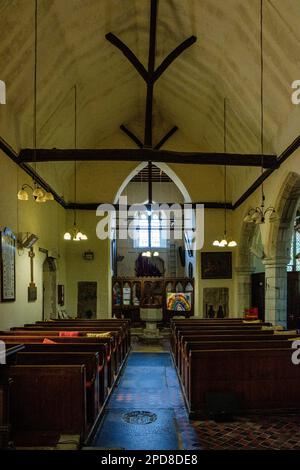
(149, 384)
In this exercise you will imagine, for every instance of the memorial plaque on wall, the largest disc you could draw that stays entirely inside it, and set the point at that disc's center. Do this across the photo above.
(87, 299)
(8, 265)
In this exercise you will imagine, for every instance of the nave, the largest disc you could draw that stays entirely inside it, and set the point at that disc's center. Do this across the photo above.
(148, 384)
(210, 384)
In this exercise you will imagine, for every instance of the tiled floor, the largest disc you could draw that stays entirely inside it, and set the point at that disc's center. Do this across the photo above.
(250, 433)
(149, 383)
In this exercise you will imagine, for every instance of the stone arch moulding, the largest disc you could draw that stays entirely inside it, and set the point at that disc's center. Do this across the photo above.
(166, 169)
(286, 206)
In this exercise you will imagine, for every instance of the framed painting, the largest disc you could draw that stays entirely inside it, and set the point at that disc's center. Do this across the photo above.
(8, 265)
(216, 265)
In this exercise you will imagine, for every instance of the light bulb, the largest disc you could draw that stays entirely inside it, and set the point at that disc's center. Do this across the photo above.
(40, 199)
(38, 192)
(232, 244)
(49, 196)
(67, 236)
(23, 195)
(155, 253)
(84, 237)
(223, 242)
(216, 243)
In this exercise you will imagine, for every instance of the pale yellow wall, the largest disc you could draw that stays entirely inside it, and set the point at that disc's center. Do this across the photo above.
(78, 269)
(47, 221)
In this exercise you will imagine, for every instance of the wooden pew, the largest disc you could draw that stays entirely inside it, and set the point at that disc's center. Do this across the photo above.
(100, 349)
(210, 329)
(216, 345)
(110, 361)
(177, 340)
(47, 401)
(119, 346)
(263, 380)
(5, 387)
(213, 336)
(99, 325)
(88, 359)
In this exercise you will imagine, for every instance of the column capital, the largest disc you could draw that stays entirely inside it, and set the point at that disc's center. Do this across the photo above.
(279, 262)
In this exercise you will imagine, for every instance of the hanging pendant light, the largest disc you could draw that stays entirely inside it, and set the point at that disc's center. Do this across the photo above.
(75, 233)
(259, 214)
(225, 241)
(39, 194)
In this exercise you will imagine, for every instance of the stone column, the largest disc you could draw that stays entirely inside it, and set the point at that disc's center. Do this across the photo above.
(243, 275)
(276, 290)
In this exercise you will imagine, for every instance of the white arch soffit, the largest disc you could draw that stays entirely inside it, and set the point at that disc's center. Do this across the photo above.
(166, 169)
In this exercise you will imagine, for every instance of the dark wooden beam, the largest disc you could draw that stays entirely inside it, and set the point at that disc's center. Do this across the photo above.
(289, 150)
(132, 136)
(253, 187)
(12, 154)
(113, 39)
(282, 158)
(150, 83)
(146, 154)
(92, 206)
(165, 138)
(172, 56)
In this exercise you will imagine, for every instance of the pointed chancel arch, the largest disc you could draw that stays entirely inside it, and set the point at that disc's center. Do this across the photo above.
(166, 169)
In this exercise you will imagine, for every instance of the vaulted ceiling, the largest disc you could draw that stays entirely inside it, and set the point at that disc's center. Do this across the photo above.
(224, 62)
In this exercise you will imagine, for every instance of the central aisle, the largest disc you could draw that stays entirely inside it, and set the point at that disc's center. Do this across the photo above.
(148, 384)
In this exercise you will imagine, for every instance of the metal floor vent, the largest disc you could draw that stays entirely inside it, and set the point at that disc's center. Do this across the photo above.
(139, 417)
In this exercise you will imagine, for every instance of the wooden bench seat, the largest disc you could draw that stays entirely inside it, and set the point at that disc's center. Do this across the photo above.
(88, 359)
(48, 399)
(263, 380)
(216, 345)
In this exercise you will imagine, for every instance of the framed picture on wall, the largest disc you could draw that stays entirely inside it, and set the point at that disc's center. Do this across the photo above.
(216, 265)
(8, 265)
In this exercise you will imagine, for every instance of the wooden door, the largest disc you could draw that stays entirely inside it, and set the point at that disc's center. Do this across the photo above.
(258, 293)
(293, 300)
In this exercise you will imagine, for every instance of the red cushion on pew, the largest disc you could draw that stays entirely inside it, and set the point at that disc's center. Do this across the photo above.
(48, 341)
(68, 333)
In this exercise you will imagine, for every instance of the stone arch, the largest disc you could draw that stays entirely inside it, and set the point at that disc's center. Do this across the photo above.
(166, 169)
(279, 250)
(286, 207)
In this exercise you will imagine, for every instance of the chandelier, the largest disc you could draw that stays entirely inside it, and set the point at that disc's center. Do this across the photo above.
(259, 214)
(225, 241)
(75, 233)
(149, 254)
(39, 194)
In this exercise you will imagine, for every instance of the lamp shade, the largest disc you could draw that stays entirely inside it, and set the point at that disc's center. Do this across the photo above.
(49, 196)
(23, 195)
(67, 236)
(38, 192)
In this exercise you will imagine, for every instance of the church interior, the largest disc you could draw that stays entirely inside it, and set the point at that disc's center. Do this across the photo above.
(150, 225)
